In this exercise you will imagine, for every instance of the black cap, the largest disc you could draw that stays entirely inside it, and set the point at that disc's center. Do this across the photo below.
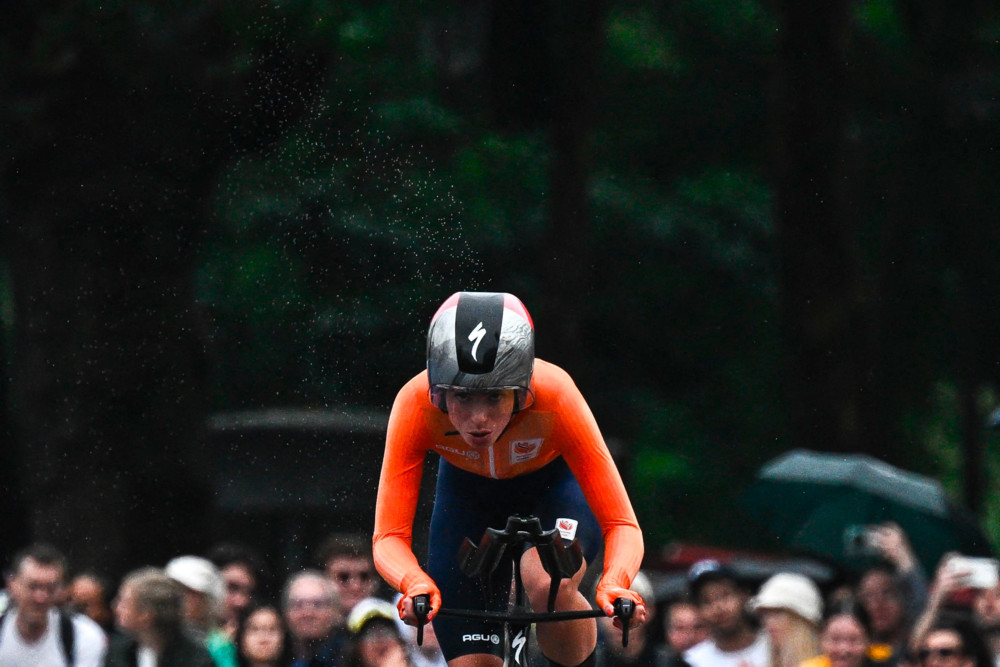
(707, 570)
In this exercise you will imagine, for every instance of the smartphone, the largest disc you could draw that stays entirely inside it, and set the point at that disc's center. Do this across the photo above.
(978, 572)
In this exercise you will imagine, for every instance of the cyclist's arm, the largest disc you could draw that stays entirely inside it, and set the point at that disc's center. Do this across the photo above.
(399, 489)
(588, 457)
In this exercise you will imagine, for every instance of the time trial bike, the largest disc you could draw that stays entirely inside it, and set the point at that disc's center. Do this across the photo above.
(561, 557)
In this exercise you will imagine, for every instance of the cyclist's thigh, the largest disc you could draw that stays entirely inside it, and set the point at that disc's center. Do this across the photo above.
(465, 505)
(560, 497)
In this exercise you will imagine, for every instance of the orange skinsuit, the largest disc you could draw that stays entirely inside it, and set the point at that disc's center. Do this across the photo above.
(559, 423)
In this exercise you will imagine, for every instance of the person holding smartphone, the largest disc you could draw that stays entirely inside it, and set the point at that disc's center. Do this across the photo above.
(893, 592)
(956, 573)
(986, 614)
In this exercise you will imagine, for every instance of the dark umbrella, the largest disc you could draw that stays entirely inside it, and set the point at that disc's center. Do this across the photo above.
(821, 504)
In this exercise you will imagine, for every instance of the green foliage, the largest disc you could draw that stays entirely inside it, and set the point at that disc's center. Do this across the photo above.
(502, 181)
(702, 398)
(934, 429)
(345, 236)
(881, 19)
(364, 181)
(376, 205)
(637, 41)
(745, 23)
(336, 239)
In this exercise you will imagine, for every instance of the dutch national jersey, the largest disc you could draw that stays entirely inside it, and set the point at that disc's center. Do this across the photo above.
(559, 423)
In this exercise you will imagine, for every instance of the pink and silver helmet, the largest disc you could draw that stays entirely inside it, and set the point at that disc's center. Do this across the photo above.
(481, 341)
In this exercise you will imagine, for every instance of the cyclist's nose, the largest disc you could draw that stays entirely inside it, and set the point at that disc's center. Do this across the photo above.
(480, 412)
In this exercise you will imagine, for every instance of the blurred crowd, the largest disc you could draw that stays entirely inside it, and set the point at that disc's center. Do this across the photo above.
(884, 614)
(214, 610)
(207, 610)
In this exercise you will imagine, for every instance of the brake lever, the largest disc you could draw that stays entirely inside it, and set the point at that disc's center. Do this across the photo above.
(624, 610)
(421, 607)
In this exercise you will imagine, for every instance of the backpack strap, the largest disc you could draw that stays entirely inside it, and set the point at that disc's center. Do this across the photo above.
(67, 633)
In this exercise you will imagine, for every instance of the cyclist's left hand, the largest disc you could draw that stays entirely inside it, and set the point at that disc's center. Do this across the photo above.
(606, 596)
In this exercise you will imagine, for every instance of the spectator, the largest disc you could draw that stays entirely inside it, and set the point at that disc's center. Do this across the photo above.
(641, 649)
(790, 608)
(241, 570)
(89, 594)
(986, 613)
(262, 639)
(953, 641)
(375, 639)
(683, 628)
(33, 632)
(893, 592)
(347, 560)
(203, 591)
(149, 609)
(950, 582)
(313, 616)
(428, 653)
(947, 582)
(844, 637)
(734, 640)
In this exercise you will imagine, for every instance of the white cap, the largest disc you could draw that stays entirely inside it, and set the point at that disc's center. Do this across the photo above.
(370, 608)
(198, 574)
(792, 592)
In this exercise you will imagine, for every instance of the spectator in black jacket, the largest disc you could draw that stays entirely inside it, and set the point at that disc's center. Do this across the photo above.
(149, 610)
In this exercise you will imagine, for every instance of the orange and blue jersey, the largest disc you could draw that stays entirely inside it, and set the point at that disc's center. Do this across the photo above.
(558, 424)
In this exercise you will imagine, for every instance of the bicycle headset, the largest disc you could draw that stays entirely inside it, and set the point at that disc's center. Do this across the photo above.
(481, 341)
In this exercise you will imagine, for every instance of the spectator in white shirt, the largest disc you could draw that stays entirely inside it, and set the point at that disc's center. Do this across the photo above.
(33, 631)
(734, 640)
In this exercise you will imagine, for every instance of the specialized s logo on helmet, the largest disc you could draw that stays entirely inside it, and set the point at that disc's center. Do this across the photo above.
(477, 335)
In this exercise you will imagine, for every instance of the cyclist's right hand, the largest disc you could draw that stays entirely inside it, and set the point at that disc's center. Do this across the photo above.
(405, 604)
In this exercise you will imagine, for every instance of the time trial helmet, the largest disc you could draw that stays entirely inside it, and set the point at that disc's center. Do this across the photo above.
(481, 341)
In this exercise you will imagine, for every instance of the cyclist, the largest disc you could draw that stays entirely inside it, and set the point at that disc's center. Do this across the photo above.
(515, 436)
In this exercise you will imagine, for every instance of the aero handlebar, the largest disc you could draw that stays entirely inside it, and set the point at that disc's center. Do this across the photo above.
(560, 558)
(624, 610)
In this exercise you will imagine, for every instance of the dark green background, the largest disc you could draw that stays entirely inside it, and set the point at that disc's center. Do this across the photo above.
(742, 226)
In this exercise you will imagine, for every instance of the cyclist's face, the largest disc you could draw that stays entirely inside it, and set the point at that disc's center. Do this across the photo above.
(481, 416)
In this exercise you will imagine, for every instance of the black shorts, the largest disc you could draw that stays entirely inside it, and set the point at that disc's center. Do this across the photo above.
(465, 505)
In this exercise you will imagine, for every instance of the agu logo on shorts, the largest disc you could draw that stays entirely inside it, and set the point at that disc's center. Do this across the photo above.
(479, 637)
(525, 450)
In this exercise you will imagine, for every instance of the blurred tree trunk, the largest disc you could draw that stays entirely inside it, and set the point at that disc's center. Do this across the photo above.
(106, 192)
(540, 62)
(109, 377)
(824, 323)
(955, 134)
(12, 524)
(117, 141)
(566, 259)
